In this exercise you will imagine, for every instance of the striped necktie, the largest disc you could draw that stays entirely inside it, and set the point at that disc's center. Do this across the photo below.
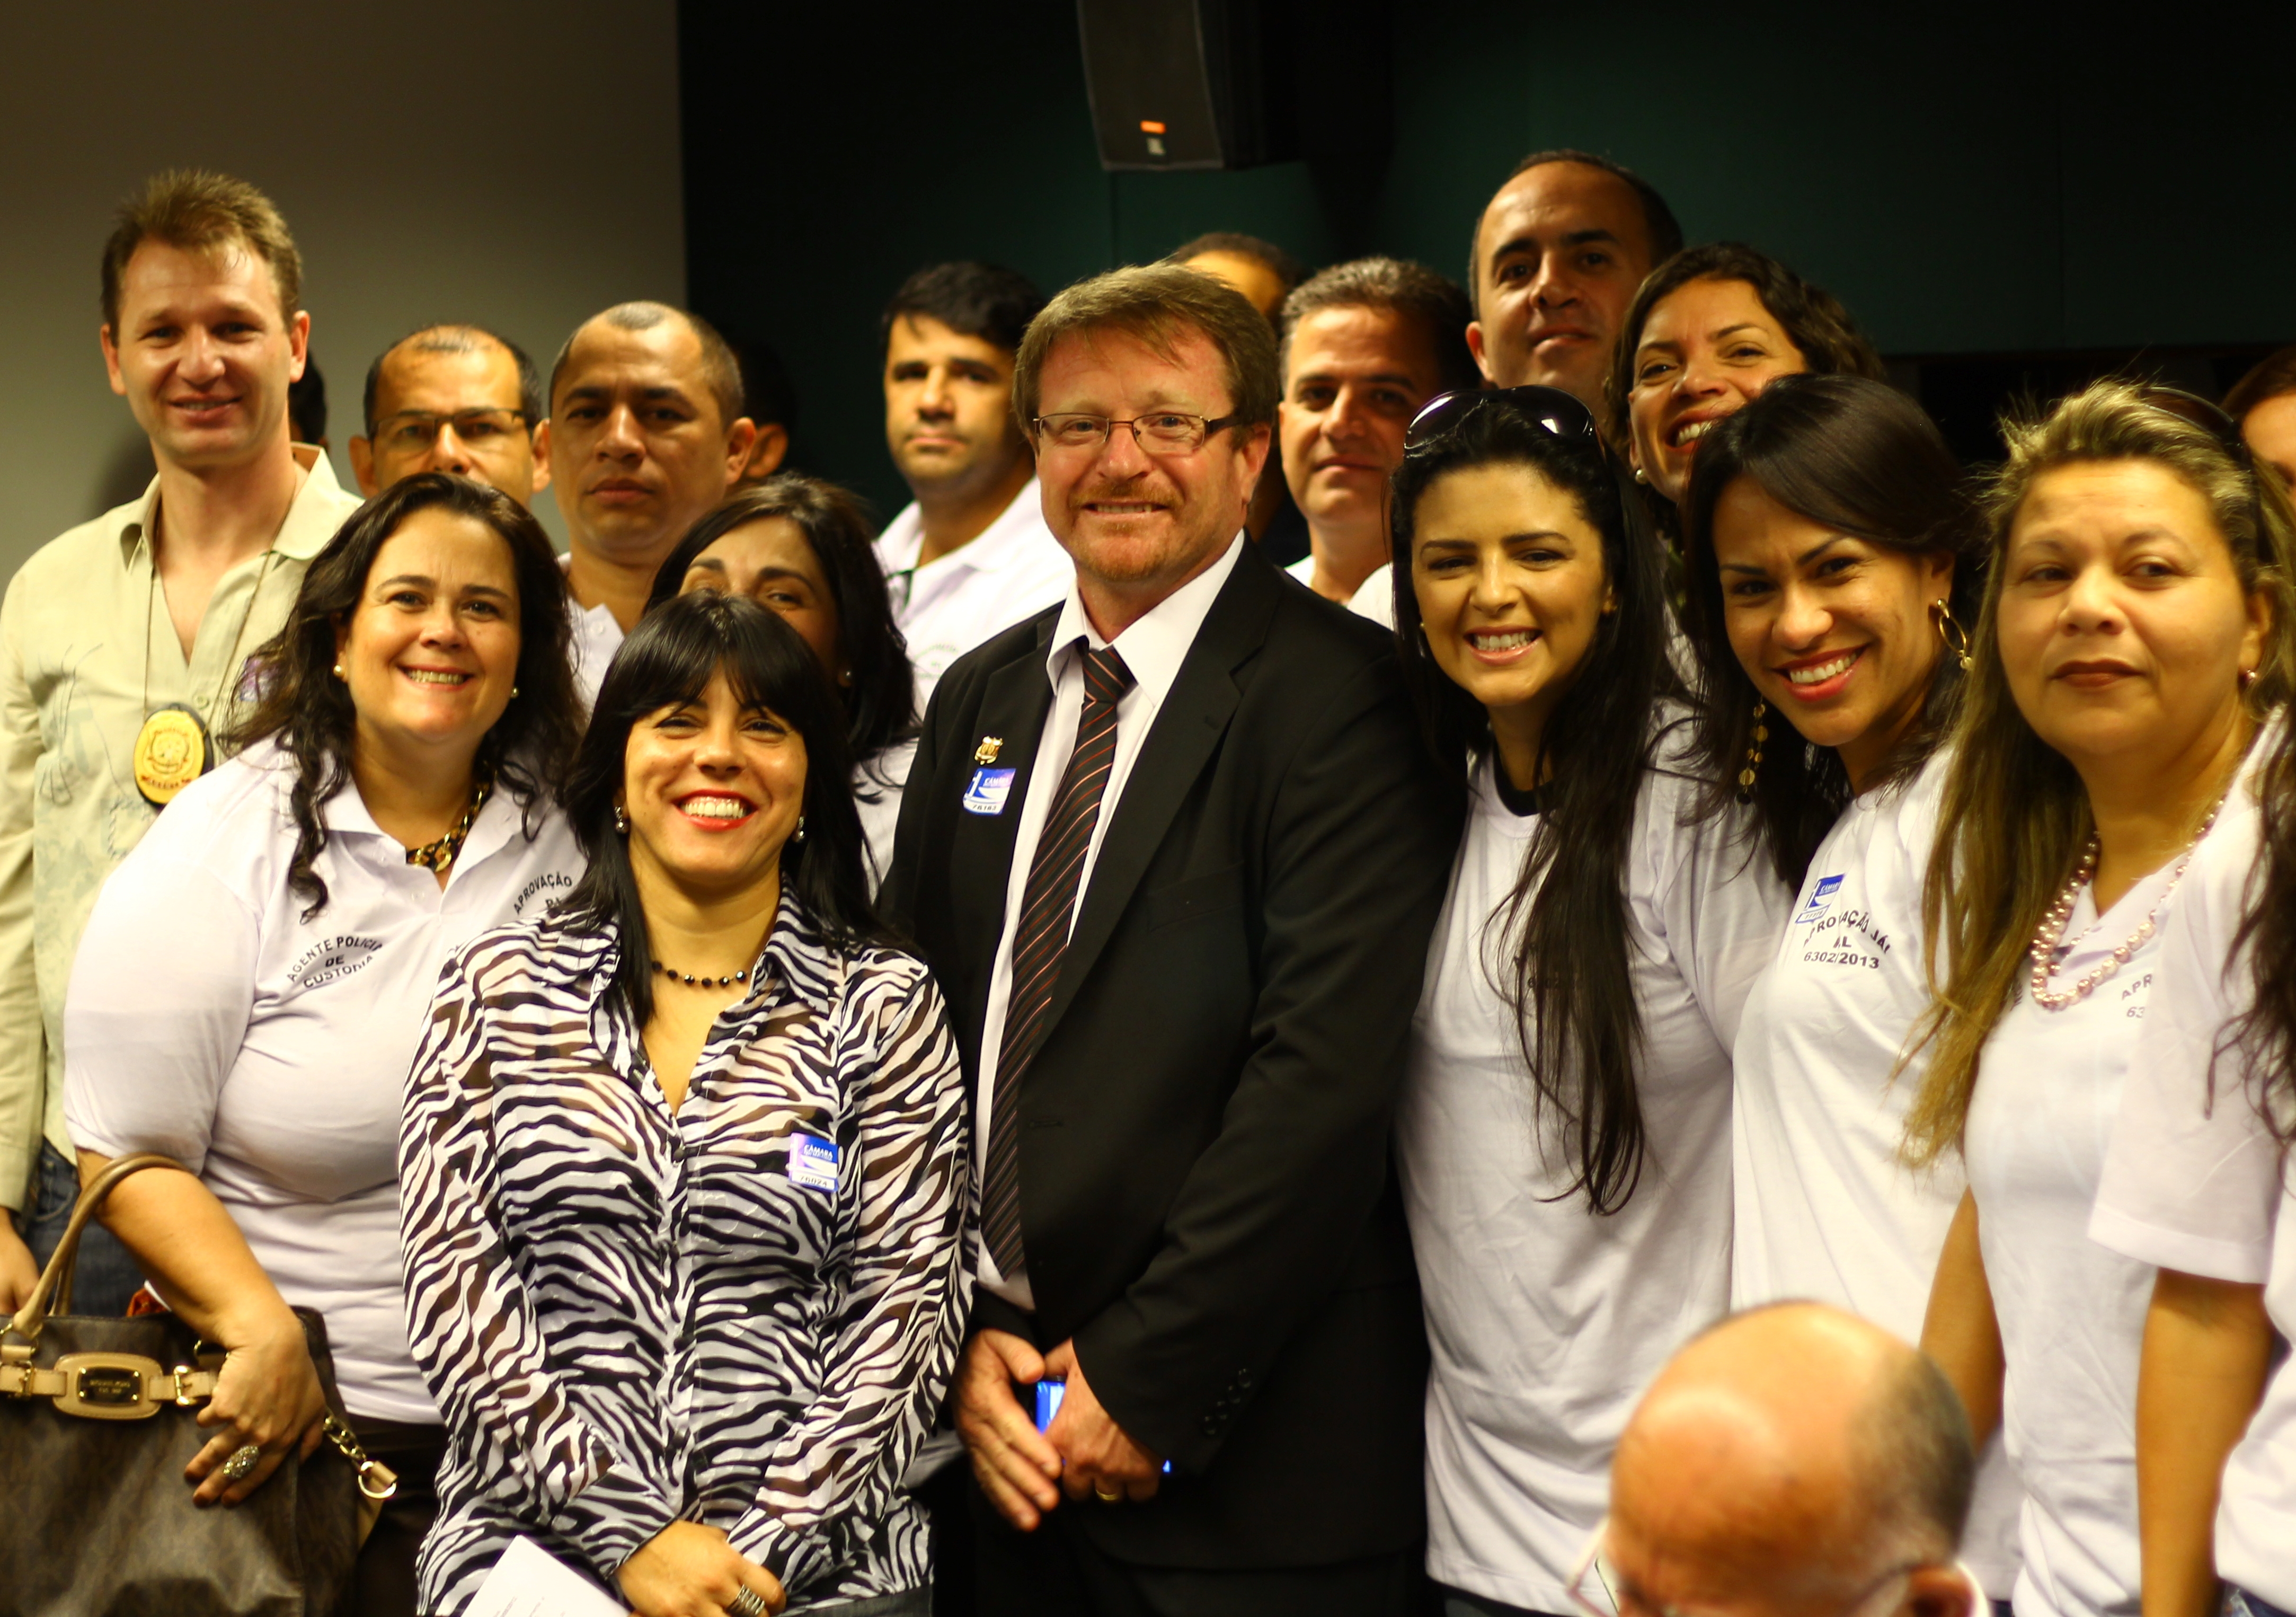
(1047, 902)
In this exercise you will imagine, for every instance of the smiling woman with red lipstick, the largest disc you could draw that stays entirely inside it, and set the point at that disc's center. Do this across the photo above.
(2136, 634)
(1829, 567)
(686, 1204)
(1564, 1131)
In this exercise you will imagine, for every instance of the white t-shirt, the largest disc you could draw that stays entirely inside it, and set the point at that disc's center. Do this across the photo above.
(208, 1020)
(2071, 1312)
(1546, 1320)
(1825, 1209)
(1013, 569)
(2196, 1187)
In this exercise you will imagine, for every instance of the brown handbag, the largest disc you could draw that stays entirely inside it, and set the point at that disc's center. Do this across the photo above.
(96, 1425)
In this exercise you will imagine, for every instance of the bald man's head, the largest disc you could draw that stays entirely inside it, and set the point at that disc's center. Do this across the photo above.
(1784, 1462)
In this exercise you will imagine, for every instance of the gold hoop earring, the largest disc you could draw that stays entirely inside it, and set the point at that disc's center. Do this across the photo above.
(1761, 733)
(621, 819)
(1951, 635)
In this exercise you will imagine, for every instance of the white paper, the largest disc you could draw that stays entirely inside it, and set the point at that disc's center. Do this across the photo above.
(529, 1581)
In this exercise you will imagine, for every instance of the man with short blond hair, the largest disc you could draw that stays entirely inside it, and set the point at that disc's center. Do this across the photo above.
(455, 398)
(1162, 845)
(138, 624)
(645, 437)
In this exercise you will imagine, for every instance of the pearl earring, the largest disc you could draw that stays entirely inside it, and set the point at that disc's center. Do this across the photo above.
(621, 819)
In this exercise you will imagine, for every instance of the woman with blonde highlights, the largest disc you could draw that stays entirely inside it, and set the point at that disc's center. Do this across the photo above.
(2134, 631)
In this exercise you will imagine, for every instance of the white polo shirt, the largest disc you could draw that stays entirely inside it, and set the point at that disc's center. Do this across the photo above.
(2071, 1311)
(1546, 1320)
(2194, 1185)
(206, 1018)
(1014, 568)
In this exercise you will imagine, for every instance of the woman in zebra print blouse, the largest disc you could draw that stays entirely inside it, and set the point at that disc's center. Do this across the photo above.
(687, 1206)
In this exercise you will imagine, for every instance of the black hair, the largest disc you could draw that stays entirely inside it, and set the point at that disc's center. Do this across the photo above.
(984, 300)
(1659, 223)
(721, 367)
(1571, 988)
(306, 403)
(669, 659)
(459, 337)
(881, 701)
(1859, 457)
(1812, 318)
(529, 749)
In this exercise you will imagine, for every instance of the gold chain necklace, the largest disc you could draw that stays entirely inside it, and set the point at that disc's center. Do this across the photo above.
(440, 855)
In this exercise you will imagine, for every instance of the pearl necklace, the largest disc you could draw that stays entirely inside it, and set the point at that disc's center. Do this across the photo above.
(2052, 930)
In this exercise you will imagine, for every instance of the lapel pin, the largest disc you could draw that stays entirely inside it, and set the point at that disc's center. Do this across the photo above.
(987, 751)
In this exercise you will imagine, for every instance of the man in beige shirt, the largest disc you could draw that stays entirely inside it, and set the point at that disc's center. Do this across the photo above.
(155, 604)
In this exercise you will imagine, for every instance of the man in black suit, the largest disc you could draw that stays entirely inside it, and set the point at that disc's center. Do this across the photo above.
(1174, 852)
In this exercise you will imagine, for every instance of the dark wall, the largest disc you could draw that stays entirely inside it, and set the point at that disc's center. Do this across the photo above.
(1969, 178)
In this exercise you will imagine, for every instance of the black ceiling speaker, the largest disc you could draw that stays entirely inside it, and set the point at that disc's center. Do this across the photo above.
(1235, 84)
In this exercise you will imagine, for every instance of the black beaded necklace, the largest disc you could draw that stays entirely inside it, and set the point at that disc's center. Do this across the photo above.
(705, 981)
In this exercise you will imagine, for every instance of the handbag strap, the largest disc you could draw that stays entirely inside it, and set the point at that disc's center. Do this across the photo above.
(55, 1280)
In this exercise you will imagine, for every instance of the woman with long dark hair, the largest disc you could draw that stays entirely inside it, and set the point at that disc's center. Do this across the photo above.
(257, 972)
(2136, 630)
(1564, 1134)
(1831, 573)
(801, 547)
(1707, 331)
(686, 1205)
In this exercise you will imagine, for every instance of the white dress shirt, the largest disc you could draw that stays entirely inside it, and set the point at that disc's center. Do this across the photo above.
(1014, 568)
(597, 636)
(1152, 647)
(1375, 599)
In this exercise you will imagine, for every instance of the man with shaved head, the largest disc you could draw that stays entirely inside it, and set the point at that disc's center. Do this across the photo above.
(452, 398)
(645, 435)
(1555, 259)
(1793, 1461)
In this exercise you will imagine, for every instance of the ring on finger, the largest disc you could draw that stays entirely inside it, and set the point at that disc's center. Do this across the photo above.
(749, 1602)
(243, 1463)
(1107, 1495)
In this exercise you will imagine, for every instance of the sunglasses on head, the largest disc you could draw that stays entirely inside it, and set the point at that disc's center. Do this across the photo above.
(1559, 412)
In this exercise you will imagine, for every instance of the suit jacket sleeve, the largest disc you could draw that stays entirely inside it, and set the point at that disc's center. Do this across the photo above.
(1360, 841)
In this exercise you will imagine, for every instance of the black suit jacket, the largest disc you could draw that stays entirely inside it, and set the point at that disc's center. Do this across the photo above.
(1208, 1197)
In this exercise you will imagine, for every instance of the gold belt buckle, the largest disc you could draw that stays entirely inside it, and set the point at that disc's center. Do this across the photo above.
(107, 1386)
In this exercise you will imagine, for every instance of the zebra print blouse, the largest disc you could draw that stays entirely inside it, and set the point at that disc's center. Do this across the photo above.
(745, 1314)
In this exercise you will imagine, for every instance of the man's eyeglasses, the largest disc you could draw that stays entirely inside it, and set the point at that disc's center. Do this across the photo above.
(1597, 1590)
(413, 432)
(1560, 413)
(1166, 432)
